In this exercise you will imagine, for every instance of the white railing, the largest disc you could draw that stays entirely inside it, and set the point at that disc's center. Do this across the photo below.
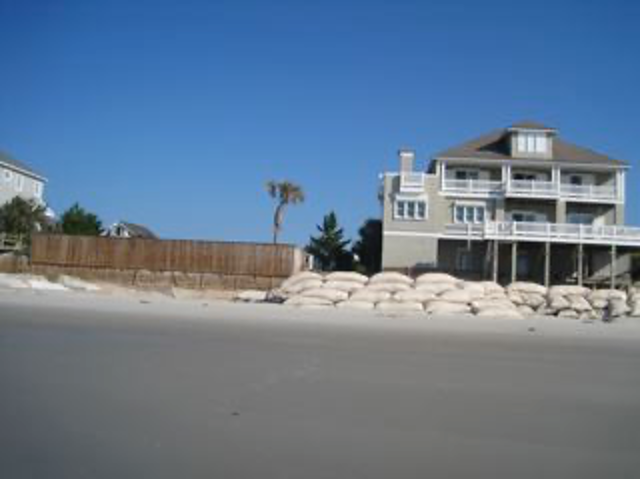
(472, 186)
(412, 182)
(548, 232)
(605, 192)
(534, 188)
(530, 188)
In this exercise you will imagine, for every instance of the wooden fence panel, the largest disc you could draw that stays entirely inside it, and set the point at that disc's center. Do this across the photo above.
(164, 255)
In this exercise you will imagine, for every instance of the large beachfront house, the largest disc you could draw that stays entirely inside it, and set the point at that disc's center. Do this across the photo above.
(19, 180)
(518, 203)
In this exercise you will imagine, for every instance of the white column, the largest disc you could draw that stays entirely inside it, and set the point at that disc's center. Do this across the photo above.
(555, 178)
(620, 185)
(443, 173)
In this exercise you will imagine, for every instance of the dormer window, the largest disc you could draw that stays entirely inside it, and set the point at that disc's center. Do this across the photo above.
(532, 142)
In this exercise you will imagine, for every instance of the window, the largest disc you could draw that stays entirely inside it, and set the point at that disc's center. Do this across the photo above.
(580, 218)
(8, 175)
(532, 142)
(575, 180)
(37, 189)
(527, 217)
(465, 213)
(19, 183)
(410, 209)
(467, 175)
(525, 176)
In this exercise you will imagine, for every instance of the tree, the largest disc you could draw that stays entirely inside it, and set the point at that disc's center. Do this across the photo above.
(285, 193)
(22, 217)
(329, 248)
(77, 221)
(368, 248)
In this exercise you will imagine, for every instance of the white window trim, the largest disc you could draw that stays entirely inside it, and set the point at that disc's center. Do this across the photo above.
(476, 206)
(407, 199)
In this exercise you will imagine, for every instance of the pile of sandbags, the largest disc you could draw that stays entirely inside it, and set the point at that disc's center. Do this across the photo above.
(312, 289)
(609, 304)
(570, 301)
(528, 297)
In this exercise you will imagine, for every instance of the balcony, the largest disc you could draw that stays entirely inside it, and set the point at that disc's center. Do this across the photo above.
(531, 189)
(473, 186)
(546, 232)
(411, 182)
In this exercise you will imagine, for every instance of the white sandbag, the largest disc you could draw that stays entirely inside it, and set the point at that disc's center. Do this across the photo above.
(568, 313)
(526, 310)
(346, 277)
(599, 303)
(390, 277)
(456, 296)
(568, 290)
(474, 289)
(435, 277)
(75, 283)
(618, 308)
(368, 295)
(579, 303)
(635, 310)
(251, 296)
(299, 301)
(300, 277)
(344, 285)
(500, 313)
(533, 300)
(297, 287)
(491, 304)
(558, 303)
(356, 305)
(515, 297)
(440, 307)
(392, 306)
(391, 287)
(606, 294)
(527, 287)
(497, 296)
(492, 288)
(330, 294)
(436, 288)
(419, 296)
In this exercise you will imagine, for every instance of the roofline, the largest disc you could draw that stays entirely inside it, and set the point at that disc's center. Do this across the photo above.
(621, 165)
(531, 129)
(22, 170)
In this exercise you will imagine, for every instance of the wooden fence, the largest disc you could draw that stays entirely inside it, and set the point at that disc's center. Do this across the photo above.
(226, 258)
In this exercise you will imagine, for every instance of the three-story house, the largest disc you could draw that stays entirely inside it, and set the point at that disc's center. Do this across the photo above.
(518, 203)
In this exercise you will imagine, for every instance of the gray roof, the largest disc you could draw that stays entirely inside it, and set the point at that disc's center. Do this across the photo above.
(7, 159)
(494, 146)
(139, 231)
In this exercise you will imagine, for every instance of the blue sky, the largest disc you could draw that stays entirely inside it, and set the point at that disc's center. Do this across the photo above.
(175, 113)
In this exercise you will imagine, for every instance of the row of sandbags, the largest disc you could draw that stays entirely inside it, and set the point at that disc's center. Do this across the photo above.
(438, 293)
(573, 301)
(433, 293)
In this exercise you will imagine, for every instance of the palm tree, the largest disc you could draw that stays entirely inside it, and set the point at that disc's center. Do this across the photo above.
(284, 193)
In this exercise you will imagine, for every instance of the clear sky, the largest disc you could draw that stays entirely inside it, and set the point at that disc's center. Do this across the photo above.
(175, 113)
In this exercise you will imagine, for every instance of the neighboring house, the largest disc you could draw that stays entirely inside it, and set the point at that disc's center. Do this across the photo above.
(129, 230)
(18, 179)
(515, 204)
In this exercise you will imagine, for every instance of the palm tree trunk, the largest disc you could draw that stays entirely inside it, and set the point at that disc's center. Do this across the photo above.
(277, 221)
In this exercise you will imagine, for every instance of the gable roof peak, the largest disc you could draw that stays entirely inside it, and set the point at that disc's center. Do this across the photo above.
(530, 125)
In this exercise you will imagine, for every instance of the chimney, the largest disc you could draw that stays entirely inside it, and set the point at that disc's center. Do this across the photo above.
(407, 159)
